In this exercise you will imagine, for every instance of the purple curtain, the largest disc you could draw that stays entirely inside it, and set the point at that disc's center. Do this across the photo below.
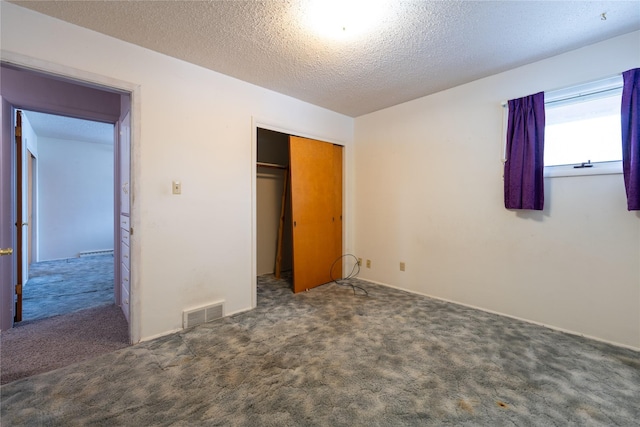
(630, 115)
(523, 170)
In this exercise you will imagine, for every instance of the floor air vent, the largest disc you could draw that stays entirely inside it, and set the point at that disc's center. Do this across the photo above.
(198, 316)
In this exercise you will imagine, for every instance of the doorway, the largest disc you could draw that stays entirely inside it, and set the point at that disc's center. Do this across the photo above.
(47, 90)
(39, 91)
(70, 205)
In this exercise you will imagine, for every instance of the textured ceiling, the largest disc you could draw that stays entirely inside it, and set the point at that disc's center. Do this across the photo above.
(59, 127)
(418, 47)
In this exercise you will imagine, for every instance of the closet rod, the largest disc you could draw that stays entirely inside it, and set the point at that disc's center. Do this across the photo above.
(271, 165)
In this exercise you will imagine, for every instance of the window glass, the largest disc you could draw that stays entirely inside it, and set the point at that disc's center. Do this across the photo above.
(583, 128)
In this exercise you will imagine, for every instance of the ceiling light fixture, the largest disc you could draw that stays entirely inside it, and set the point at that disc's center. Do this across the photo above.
(343, 19)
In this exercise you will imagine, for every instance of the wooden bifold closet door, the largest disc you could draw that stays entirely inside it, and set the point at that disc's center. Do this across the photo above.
(316, 207)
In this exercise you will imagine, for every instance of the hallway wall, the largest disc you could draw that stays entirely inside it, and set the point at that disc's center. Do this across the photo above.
(7, 277)
(76, 197)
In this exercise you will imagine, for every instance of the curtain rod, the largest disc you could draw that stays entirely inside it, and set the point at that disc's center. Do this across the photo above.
(592, 87)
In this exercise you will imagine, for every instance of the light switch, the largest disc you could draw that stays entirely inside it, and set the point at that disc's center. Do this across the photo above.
(177, 187)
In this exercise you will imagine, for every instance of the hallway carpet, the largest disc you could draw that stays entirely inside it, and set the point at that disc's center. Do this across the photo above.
(68, 316)
(328, 357)
(68, 285)
(43, 345)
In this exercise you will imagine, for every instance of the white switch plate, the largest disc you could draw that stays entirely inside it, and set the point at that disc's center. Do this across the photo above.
(177, 187)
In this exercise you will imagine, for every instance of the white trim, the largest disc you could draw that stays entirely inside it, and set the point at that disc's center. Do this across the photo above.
(242, 310)
(258, 122)
(599, 85)
(593, 89)
(599, 168)
(503, 143)
(254, 215)
(68, 73)
(178, 330)
(160, 335)
(533, 322)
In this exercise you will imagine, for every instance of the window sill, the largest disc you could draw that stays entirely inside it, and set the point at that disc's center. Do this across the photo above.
(602, 168)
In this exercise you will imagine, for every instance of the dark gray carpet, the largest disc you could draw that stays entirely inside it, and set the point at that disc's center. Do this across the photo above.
(64, 286)
(329, 358)
(43, 345)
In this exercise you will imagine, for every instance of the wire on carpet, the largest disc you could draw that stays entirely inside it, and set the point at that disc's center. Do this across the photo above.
(354, 272)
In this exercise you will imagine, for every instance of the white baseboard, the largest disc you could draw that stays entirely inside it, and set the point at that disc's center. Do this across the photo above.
(555, 328)
(173, 331)
(160, 335)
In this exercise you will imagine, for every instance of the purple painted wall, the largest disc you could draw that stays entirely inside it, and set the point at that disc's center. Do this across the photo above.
(33, 91)
(6, 221)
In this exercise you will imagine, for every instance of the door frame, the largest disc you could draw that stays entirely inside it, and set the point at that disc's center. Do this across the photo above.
(29, 245)
(22, 202)
(17, 199)
(98, 81)
(32, 207)
(289, 129)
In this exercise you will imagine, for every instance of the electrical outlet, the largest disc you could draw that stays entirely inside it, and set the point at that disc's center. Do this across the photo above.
(402, 266)
(368, 263)
(359, 262)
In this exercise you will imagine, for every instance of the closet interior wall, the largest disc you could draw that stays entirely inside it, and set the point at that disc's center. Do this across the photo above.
(272, 148)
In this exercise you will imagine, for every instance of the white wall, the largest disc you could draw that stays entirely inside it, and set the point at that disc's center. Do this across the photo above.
(269, 185)
(75, 194)
(430, 193)
(30, 145)
(194, 125)
(272, 148)
(29, 136)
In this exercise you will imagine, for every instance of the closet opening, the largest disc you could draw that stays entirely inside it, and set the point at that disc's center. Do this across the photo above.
(298, 210)
(273, 206)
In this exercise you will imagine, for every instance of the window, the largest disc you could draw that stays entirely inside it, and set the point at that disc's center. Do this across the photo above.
(582, 130)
